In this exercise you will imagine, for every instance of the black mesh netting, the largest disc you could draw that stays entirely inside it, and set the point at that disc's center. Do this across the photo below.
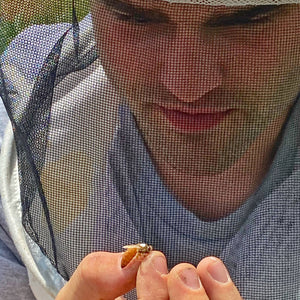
(173, 124)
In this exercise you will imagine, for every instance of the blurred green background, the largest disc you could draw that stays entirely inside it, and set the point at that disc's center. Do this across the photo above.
(16, 15)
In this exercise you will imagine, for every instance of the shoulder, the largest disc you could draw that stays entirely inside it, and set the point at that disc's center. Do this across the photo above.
(27, 52)
(25, 56)
(14, 280)
(3, 121)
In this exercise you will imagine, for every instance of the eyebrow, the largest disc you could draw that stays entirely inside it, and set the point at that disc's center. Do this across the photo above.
(240, 16)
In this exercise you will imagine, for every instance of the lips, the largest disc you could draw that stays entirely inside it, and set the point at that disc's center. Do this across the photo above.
(192, 121)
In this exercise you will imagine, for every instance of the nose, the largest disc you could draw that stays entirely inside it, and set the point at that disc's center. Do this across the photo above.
(191, 67)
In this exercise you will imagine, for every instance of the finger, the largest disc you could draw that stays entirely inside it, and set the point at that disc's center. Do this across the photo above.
(151, 279)
(100, 276)
(184, 283)
(216, 280)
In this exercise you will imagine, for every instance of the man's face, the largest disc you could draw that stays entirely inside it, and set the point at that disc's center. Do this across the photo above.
(204, 83)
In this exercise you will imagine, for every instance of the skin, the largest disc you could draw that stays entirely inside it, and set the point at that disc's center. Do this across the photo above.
(246, 71)
(162, 63)
(100, 276)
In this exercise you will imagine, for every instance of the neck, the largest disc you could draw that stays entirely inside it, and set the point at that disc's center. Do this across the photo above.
(215, 196)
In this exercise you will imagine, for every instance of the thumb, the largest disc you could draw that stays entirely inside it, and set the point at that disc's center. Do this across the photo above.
(216, 280)
(100, 276)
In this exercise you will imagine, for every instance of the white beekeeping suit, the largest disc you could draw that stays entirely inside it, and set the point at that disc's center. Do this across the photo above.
(174, 123)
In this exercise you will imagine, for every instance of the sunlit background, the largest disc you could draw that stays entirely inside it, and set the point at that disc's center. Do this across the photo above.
(16, 15)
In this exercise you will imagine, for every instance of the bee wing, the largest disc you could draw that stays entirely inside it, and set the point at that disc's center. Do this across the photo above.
(131, 247)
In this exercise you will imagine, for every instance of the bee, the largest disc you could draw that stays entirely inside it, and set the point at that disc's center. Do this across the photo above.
(138, 251)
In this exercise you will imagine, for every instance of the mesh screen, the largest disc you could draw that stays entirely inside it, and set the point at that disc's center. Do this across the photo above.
(167, 123)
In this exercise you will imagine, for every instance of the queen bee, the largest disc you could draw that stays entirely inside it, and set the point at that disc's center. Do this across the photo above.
(138, 251)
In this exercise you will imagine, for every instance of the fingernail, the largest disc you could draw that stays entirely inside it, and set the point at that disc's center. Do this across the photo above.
(218, 272)
(190, 278)
(159, 264)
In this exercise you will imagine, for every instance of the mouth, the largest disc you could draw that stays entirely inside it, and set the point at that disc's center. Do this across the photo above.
(191, 121)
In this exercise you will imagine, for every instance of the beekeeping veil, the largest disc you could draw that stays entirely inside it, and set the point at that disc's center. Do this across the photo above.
(174, 123)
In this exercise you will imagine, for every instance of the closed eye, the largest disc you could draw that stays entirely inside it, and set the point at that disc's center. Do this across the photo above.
(138, 19)
(256, 14)
(240, 21)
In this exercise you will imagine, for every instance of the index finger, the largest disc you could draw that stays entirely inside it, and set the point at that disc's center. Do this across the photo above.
(100, 276)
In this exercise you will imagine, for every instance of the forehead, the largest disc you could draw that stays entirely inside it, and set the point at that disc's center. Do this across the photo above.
(183, 7)
(197, 12)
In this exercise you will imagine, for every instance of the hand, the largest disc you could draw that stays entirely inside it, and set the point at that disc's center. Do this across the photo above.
(184, 281)
(100, 276)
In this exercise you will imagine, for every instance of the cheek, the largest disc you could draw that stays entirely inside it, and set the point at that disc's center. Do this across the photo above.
(268, 65)
(126, 54)
(253, 65)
